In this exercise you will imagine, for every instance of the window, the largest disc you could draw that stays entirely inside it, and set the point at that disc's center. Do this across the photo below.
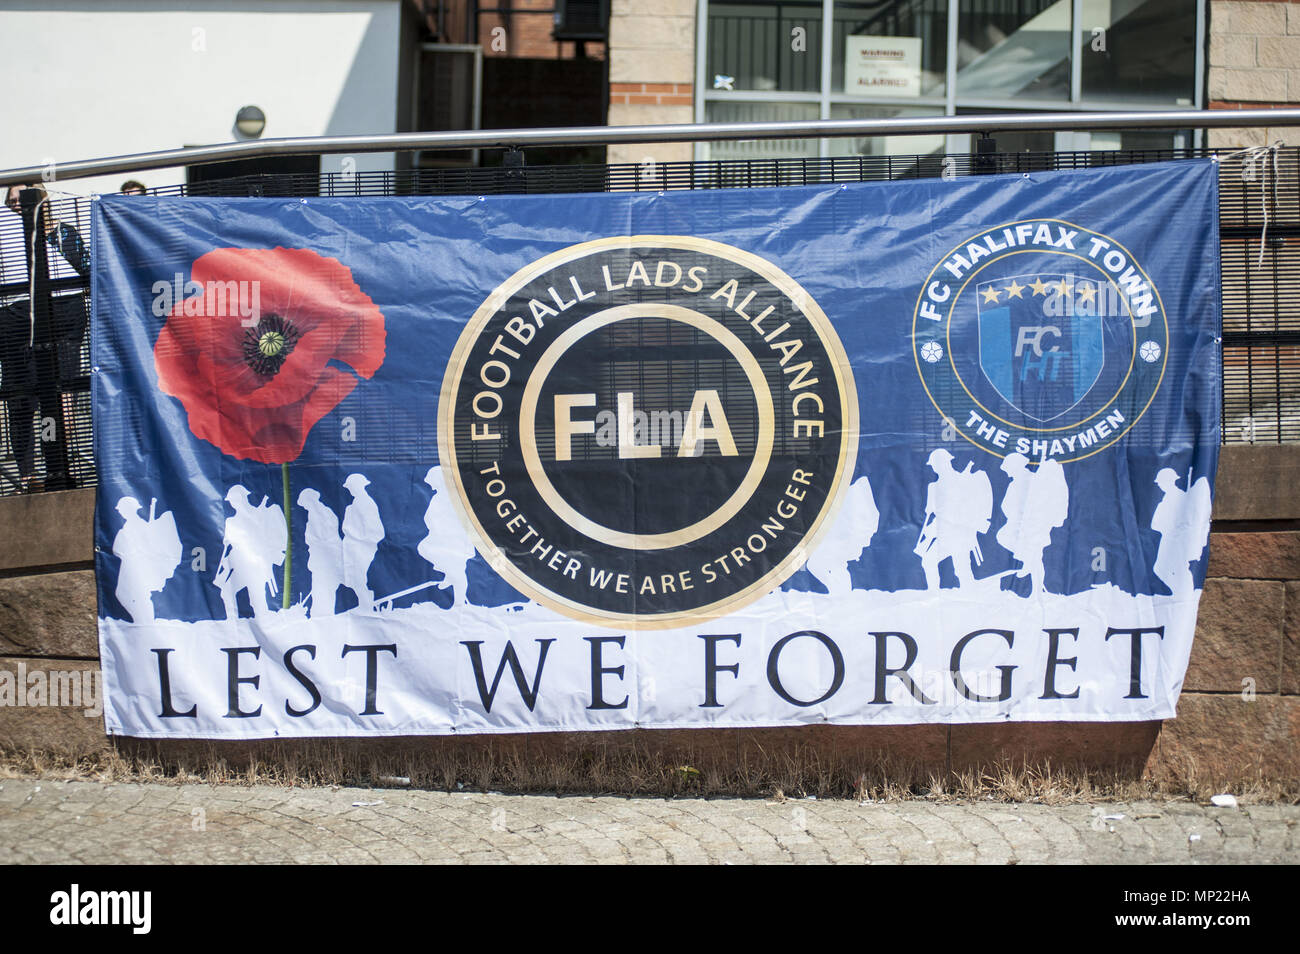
(840, 59)
(758, 46)
(1011, 50)
(1139, 52)
(745, 112)
(890, 49)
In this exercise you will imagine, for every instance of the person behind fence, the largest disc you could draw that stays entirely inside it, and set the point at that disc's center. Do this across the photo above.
(253, 545)
(68, 258)
(61, 237)
(958, 508)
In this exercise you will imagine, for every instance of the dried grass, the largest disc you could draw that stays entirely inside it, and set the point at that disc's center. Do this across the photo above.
(587, 765)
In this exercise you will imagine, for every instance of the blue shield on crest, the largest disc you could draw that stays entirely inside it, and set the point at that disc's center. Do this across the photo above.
(1041, 340)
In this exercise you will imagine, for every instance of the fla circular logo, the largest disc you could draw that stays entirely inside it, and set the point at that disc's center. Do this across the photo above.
(651, 430)
(1042, 338)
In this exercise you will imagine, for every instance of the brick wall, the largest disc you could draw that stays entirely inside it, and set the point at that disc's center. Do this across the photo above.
(1254, 63)
(650, 94)
(526, 32)
(1239, 715)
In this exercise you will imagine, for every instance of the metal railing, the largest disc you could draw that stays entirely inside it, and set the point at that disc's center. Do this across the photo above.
(44, 360)
(685, 132)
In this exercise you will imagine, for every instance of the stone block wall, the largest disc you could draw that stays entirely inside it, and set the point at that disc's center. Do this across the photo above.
(1254, 63)
(651, 74)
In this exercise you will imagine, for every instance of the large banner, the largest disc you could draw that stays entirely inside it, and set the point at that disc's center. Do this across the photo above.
(901, 452)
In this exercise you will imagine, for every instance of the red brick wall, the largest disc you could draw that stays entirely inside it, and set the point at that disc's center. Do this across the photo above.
(528, 34)
(653, 94)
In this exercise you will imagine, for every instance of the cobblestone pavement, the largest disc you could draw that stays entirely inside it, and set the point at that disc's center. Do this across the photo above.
(52, 821)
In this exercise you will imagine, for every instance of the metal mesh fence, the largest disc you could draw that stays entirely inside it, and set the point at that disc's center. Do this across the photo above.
(45, 431)
(45, 423)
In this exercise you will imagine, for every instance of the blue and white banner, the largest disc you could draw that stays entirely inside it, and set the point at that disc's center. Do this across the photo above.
(902, 452)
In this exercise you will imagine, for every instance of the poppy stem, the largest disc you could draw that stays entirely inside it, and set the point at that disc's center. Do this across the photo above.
(288, 540)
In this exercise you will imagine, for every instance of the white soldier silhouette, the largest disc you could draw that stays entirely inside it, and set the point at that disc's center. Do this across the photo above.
(1036, 503)
(447, 547)
(362, 531)
(324, 552)
(150, 549)
(1182, 518)
(856, 524)
(252, 547)
(958, 508)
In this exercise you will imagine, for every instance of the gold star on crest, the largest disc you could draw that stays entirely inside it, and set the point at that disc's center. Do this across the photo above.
(990, 294)
(1087, 293)
(1039, 286)
(1064, 286)
(1014, 290)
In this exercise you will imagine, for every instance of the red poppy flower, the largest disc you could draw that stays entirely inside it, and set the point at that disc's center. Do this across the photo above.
(255, 380)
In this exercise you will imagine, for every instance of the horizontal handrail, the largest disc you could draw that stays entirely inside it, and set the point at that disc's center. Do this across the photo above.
(685, 132)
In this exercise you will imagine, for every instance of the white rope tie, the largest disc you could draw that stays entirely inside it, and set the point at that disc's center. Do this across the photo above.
(31, 272)
(1261, 155)
(37, 230)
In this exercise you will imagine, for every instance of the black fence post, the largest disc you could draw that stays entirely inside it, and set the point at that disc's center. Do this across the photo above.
(513, 163)
(49, 391)
(986, 160)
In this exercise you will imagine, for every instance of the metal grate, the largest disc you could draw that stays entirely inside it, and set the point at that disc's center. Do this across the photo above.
(1261, 300)
(45, 433)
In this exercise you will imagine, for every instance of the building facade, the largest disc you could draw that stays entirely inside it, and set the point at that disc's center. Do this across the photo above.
(741, 60)
(89, 80)
(1254, 63)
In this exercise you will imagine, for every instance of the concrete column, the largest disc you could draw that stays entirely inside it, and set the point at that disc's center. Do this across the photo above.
(651, 73)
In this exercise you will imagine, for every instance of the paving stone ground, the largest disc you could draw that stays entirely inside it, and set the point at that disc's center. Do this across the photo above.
(90, 822)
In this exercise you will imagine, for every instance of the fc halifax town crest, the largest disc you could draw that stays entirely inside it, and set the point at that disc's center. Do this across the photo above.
(1043, 369)
(1041, 338)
